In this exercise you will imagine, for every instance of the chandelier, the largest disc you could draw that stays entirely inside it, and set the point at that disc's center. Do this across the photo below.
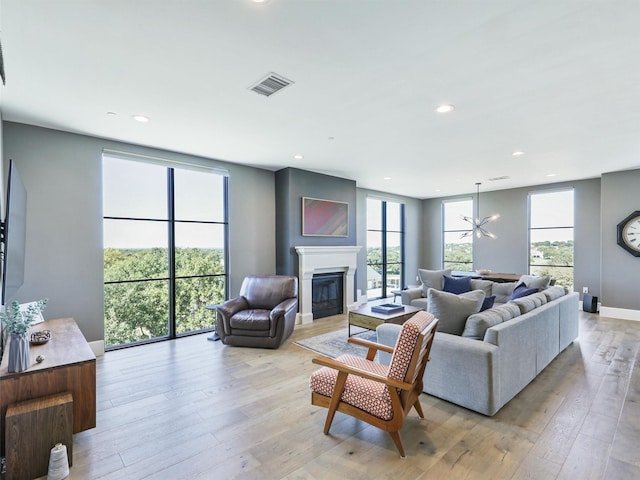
(477, 224)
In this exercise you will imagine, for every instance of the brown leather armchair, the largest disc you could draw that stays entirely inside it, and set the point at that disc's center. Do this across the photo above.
(263, 315)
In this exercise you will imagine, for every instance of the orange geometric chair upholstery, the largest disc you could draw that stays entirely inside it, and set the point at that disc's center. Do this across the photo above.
(377, 394)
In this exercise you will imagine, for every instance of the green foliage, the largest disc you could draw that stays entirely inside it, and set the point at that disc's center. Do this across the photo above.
(19, 322)
(547, 258)
(374, 259)
(138, 308)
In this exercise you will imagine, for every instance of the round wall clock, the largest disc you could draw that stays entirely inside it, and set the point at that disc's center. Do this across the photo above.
(629, 233)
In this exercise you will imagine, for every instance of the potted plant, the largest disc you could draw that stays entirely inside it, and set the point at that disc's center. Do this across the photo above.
(17, 323)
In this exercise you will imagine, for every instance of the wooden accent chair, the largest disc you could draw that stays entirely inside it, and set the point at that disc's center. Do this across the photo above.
(377, 394)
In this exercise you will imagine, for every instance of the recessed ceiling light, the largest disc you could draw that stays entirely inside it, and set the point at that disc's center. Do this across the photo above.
(141, 118)
(260, 1)
(298, 156)
(437, 189)
(517, 153)
(550, 175)
(444, 108)
(387, 178)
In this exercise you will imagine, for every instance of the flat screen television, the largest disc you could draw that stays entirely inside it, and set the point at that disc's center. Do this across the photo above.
(13, 235)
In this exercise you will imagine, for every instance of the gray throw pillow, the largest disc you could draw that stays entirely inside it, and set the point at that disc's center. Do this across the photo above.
(452, 310)
(485, 285)
(534, 281)
(503, 291)
(432, 279)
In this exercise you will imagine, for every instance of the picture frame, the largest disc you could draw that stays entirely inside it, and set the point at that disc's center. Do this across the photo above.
(324, 218)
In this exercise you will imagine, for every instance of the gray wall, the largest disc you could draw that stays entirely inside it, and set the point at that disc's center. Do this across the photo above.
(62, 175)
(620, 269)
(291, 185)
(509, 252)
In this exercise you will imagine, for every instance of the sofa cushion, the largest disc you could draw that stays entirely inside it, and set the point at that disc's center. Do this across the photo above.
(534, 281)
(522, 291)
(432, 279)
(503, 291)
(452, 310)
(478, 323)
(508, 310)
(456, 285)
(540, 298)
(485, 285)
(526, 304)
(554, 292)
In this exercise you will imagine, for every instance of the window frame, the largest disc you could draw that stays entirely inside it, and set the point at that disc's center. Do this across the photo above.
(171, 222)
(530, 229)
(384, 231)
(444, 232)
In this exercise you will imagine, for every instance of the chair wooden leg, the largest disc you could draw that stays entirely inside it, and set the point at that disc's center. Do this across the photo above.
(335, 400)
(418, 408)
(398, 441)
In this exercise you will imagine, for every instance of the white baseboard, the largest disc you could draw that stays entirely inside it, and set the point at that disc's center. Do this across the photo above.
(622, 313)
(97, 348)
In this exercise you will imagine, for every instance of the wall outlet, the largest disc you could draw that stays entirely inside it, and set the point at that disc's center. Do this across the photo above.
(585, 289)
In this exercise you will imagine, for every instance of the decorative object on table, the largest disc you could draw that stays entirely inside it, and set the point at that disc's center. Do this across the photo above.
(40, 359)
(629, 233)
(17, 322)
(483, 271)
(477, 225)
(387, 308)
(58, 463)
(40, 337)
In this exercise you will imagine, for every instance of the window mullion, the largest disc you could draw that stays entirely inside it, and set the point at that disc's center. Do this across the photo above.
(171, 252)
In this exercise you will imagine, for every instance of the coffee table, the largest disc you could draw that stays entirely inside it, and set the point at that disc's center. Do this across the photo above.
(365, 318)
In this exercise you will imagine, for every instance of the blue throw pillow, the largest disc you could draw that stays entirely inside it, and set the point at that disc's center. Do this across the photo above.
(488, 303)
(457, 285)
(522, 291)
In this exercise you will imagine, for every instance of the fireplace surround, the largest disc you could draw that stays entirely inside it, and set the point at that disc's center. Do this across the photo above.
(325, 259)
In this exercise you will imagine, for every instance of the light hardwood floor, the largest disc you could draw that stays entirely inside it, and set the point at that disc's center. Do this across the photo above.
(195, 409)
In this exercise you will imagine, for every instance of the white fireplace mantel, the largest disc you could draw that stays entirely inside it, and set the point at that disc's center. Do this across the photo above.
(324, 260)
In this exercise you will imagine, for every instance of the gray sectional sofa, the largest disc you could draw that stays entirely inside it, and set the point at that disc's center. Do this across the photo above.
(499, 350)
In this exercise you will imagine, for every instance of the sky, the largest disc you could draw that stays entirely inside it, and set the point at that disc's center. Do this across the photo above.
(136, 190)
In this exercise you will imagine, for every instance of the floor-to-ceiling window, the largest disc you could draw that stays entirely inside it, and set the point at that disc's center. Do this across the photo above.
(551, 235)
(457, 251)
(165, 230)
(385, 247)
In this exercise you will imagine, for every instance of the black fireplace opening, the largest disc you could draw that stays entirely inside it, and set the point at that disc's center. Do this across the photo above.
(327, 290)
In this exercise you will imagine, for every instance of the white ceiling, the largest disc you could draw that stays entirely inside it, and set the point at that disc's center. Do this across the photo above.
(557, 79)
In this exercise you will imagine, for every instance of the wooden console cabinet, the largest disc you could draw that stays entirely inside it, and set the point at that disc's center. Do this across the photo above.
(69, 366)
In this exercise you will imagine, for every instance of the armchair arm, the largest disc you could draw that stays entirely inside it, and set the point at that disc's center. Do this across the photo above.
(283, 307)
(281, 310)
(372, 346)
(348, 369)
(410, 294)
(227, 310)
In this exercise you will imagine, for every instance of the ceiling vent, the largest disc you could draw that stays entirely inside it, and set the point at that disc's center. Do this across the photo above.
(271, 84)
(495, 179)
